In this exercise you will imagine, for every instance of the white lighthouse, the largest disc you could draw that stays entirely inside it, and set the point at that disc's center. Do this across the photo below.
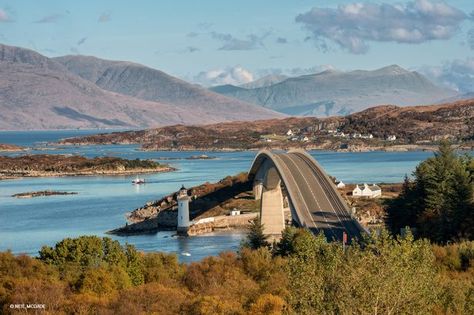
(183, 211)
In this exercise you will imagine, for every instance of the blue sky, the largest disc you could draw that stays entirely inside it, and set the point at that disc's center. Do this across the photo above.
(217, 41)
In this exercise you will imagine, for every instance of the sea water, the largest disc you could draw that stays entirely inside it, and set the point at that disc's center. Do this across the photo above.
(103, 201)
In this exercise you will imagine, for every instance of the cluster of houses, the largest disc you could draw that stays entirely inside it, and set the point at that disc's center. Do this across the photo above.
(293, 136)
(355, 135)
(364, 190)
(304, 134)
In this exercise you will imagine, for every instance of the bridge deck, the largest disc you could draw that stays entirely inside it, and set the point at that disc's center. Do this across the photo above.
(315, 199)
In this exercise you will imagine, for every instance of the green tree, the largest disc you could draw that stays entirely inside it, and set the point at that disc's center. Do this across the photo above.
(438, 204)
(75, 256)
(255, 236)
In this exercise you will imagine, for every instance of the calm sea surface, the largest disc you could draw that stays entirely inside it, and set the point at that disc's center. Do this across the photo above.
(102, 201)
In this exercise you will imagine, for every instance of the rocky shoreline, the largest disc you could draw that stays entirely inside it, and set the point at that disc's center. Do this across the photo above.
(12, 175)
(381, 128)
(61, 165)
(209, 200)
(11, 148)
(356, 148)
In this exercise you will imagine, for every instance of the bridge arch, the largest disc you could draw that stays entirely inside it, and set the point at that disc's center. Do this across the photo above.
(313, 199)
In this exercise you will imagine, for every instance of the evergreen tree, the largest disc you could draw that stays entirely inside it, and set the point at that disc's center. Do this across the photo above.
(401, 211)
(255, 237)
(439, 203)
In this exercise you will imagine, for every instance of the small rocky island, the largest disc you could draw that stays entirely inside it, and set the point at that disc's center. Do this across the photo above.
(43, 193)
(200, 157)
(45, 165)
(10, 148)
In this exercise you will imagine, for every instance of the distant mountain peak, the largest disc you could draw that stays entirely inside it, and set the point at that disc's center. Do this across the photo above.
(37, 92)
(392, 69)
(21, 55)
(332, 92)
(264, 81)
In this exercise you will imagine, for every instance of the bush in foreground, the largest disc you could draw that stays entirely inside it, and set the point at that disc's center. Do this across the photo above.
(303, 275)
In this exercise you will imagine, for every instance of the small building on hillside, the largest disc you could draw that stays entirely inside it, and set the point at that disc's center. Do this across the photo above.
(340, 184)
(289, 133)
(303, 138)
(372, 191)
(235, 212)
(392, 138)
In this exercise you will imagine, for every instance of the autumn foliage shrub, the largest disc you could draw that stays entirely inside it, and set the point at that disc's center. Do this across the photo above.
(302, 274)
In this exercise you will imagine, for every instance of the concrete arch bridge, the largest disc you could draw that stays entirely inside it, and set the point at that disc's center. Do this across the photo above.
(313, 198)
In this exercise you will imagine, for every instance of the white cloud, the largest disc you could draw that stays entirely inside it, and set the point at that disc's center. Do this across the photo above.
(352, 26)
(294, 72)
(229, 75)
(4, 16)
(456, 74)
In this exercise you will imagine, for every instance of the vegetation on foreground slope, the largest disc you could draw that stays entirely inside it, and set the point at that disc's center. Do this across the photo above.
(303, 275)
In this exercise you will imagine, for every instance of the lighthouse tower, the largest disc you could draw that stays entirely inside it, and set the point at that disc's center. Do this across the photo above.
(183, 211)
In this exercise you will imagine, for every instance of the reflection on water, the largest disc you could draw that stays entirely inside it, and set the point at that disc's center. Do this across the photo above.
(102, 201)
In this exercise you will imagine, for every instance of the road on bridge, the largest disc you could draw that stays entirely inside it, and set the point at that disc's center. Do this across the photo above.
(320, 206)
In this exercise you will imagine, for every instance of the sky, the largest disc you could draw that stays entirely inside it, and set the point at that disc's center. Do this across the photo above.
(218, 42)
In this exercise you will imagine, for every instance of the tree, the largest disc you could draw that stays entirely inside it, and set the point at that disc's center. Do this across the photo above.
(75, 257)
(439, 202)
(256, 237)
(268, 304)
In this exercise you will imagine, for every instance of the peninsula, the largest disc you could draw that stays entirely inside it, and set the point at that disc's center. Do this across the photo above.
(45, 165)
(389, 128)
(215, 200)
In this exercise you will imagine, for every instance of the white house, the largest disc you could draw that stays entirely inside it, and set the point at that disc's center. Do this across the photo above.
(392, 138)
(372, 191)
(340, 184)
(235, 212)
(289, 133)
(303, 138)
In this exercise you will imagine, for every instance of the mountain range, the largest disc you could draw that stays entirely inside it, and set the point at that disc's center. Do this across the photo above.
(339, 93)
(37, 92)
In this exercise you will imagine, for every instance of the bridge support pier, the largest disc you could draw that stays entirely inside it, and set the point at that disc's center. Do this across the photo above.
(257, 189)
(271, 212)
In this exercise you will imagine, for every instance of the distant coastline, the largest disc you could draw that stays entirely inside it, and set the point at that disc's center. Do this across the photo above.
(355, 148)
(381, 128)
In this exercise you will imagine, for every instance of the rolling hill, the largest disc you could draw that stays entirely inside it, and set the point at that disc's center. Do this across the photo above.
(411, 125)
(37, 92)
(153, 85)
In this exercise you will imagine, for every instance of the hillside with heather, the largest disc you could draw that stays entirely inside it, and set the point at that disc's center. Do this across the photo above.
(375, 128)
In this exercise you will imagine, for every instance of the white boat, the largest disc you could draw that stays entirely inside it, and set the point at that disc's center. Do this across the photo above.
(138, 181)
